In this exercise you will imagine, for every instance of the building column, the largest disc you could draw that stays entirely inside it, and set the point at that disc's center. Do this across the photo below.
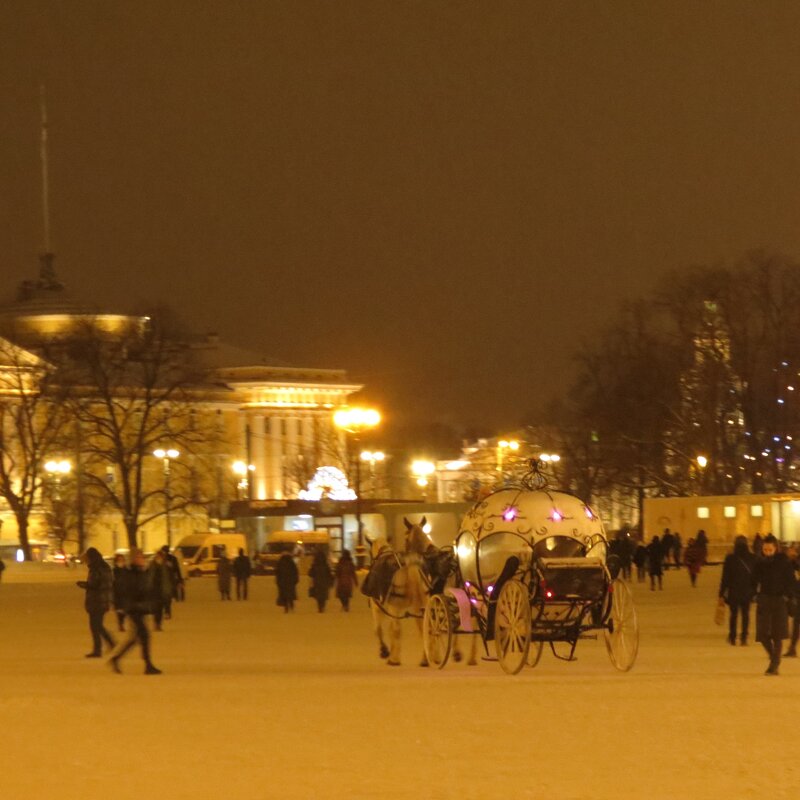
(257, 445)
(291, 456)
(276, 456)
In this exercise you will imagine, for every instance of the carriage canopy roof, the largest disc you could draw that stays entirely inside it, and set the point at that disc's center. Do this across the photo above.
(520, 521)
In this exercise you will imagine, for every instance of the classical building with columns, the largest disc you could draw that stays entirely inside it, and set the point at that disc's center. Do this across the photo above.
(274, 422)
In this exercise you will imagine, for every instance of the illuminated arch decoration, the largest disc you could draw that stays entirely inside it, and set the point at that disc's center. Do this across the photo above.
(328, 482)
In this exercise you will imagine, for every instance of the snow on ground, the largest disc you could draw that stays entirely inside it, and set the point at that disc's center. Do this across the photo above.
(254, 703)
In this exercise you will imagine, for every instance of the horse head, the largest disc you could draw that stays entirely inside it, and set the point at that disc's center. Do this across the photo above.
(417, 541)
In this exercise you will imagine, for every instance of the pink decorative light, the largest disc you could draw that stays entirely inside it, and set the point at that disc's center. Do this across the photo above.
(589, 514)
(489, 589)
(510, 513)
(556, 516)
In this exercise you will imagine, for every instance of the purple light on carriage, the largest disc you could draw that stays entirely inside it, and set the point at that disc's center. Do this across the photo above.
(489, 589)
(510, 513)
(589, 514)
(556, 516)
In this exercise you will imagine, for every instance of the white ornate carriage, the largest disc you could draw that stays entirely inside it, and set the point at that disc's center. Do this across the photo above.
(530, 567)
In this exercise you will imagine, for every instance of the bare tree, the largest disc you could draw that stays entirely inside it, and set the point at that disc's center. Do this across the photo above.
(33, 422)
(133, 392)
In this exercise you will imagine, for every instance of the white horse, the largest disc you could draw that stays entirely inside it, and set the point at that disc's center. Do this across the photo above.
(407, 589)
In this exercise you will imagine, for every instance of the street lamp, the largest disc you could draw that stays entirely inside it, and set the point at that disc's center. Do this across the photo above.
(372, 457)
(550, 458)
(245, 485)
(502, 446)
(422, 470)
(355, 421)
(166, 456)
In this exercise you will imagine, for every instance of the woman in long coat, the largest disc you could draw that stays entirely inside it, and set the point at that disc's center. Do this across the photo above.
(655, 559)
(286, 576)
(321, 580)
(774, 579)
(346, 579)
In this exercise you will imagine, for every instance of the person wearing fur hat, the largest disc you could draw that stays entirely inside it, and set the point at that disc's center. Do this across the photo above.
(774, 582)
(98, 600)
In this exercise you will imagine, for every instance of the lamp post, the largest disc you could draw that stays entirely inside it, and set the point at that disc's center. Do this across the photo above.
(372, 457)
(242, 471)
(702, 462)
(422, 469)
(166, 456)
(355, 421)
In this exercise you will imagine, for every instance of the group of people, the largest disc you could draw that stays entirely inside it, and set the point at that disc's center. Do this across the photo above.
(665, 552)
(240, 568)
(323, 579)
(136, 590)
(769, 575)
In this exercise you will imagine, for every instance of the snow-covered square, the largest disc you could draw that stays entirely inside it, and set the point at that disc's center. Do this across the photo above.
(255, 703)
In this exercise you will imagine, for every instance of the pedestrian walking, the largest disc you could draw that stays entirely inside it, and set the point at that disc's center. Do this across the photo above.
(758, 541)
(176, 578)
(774, 583)
(693, 559)
(654, 563)
(118, 574)
(161, 584)
(224, 572)
(321, 579)
(2, 567)
(794, 605)
(97, 600)
(242, 570)
(667, 543)
(701, 540)
(140, 601)
(677, 548)
(346, 579)
(640, 560)
(736, 588)
(286, 576)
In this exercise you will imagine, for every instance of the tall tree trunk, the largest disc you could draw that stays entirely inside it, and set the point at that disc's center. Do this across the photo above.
(24, 541)
(132, 530)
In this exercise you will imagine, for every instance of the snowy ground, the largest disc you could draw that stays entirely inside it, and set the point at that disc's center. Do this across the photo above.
(257, 704)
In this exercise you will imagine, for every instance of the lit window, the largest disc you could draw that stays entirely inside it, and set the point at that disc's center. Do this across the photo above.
(729, 512)
(702, 512)
(756, 511)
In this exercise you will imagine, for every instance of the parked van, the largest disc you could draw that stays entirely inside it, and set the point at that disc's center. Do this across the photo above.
(199, 553)
(301, 545)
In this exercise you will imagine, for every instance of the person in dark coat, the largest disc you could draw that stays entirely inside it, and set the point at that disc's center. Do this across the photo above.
(98, 600)
(118, 589)
(701, 540)
(162, 588)
(176, 578)
(757, 542)
(224, 573)
(654, 563)
(736, 588)
(795, 610)
(774, 582)
(667, 541)
(286, 576)
(242, 570)
(693, 559)
(640, 560)
(140, 600)
(321, 580)
(2, 567)
(346, 580)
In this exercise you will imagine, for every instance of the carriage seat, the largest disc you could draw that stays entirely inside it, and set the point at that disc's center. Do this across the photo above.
(573, 578)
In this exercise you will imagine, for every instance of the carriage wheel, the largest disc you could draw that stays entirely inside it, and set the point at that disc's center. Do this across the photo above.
(622, 635)
(512, 626)
(534, 653)
(437, 632)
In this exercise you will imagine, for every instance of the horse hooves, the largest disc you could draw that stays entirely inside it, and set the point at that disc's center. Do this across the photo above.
(393, 663)
(384, 652)
(472, 663)
(423, 663)
(456, 656)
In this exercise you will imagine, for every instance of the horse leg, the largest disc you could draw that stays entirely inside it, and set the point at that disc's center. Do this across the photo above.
(377, 624)
(394, 637)
(473, 652)
(424, 661)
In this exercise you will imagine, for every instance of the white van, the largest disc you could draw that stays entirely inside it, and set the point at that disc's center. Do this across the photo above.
(301, 545)
(198, 554)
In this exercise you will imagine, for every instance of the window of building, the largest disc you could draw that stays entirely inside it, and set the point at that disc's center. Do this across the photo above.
(756, 511)
(729, 512)
(702, 512)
